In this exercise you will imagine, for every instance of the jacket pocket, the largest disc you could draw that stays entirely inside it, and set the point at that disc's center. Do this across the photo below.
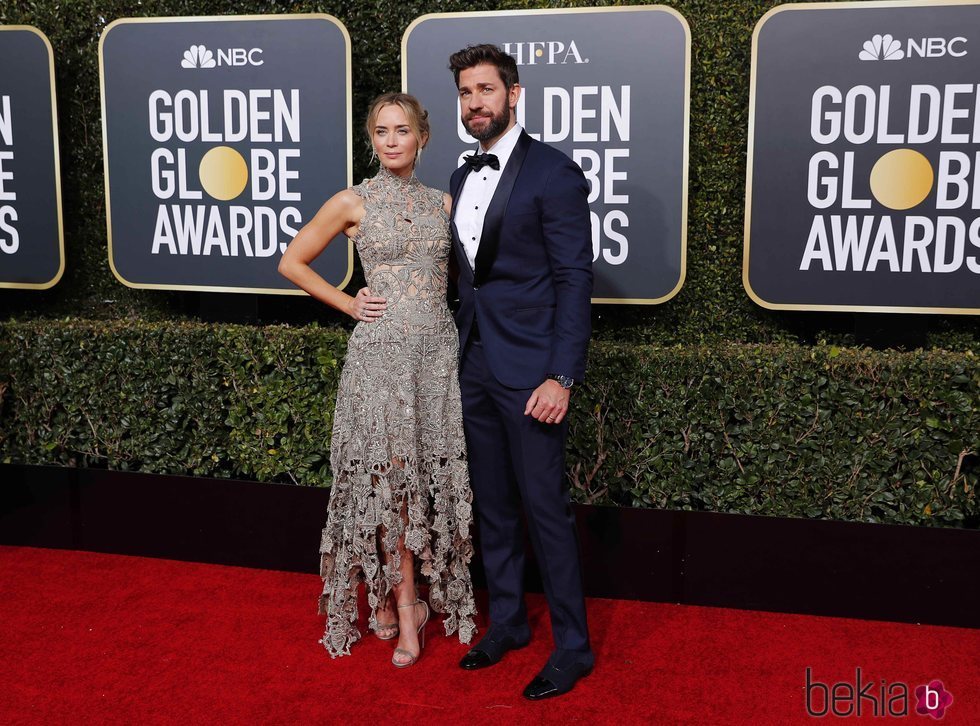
(534, 308)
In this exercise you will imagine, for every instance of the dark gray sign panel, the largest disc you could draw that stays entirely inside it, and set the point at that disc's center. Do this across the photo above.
(32, 249)
(863, 179)
(607, 86)
(223, 137)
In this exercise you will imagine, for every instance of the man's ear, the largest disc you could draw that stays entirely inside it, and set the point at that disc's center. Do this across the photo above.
(514, 95)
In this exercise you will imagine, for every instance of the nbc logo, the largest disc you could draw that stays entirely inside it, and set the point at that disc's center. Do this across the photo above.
(882, 47)
(197, 56)
(886, 47)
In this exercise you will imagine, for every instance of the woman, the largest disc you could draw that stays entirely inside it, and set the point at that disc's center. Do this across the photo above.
(401, 499)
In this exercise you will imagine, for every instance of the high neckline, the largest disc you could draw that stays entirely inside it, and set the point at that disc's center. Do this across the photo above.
(386, 175)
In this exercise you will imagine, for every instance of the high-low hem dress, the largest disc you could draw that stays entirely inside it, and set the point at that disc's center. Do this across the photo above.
(397, 452)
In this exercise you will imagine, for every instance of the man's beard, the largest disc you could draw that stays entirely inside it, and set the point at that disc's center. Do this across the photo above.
(496, 126)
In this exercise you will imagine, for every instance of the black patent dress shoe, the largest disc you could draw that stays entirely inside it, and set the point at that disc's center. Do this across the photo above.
(553, 681)
(489, 651)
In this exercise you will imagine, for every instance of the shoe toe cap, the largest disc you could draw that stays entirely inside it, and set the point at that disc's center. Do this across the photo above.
(541, 688)
(474, 660)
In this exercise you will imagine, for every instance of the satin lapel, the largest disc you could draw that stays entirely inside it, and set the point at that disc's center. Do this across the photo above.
(457, 187)
(490, 238)
(454, 192)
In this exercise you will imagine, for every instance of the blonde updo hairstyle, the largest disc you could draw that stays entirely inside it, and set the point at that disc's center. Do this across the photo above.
(418, 119)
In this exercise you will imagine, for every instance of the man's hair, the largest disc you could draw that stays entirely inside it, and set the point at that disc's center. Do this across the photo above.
(474, 55)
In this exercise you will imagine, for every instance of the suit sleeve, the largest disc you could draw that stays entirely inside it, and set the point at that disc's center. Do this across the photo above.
(567, 231)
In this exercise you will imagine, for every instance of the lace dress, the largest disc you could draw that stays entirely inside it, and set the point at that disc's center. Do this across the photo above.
(397, 452)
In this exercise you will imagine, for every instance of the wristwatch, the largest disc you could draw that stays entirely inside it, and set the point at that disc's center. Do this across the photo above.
(563, 381)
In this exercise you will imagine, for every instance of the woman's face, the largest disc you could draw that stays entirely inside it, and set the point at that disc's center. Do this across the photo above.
(394, 142)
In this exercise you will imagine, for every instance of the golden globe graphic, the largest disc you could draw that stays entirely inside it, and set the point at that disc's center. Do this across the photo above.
(223, 137)
(901, 179)
(223, 173)
(863, 181)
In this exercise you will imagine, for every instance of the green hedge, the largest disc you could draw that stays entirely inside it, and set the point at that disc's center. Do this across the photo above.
(712, 305)
(776, 429)
(707, 402)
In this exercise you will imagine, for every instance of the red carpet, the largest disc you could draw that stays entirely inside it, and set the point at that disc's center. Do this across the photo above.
(92, 638)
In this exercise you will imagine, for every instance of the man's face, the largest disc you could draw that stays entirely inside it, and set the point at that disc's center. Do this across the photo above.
(485, 103)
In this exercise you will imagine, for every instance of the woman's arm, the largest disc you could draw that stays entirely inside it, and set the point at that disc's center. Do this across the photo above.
(341, 213)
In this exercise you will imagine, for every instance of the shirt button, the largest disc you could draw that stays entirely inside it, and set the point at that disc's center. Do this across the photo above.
(476, 207)
(484, 178)
(473, 238)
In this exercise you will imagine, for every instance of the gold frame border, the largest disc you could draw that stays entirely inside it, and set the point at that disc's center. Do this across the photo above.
(105, 143)
(751, 148)
(687, 109)
(57, 167)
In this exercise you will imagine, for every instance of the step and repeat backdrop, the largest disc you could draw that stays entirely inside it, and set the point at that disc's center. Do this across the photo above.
(863, 179)
(609, 87)
(32, 251)
(224, 135)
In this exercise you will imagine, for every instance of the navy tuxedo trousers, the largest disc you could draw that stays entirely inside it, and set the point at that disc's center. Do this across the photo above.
(514, 458)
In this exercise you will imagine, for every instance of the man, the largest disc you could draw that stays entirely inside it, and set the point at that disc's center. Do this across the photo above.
(522, 238)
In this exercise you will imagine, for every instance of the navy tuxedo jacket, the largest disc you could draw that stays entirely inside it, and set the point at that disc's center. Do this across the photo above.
(530, 292)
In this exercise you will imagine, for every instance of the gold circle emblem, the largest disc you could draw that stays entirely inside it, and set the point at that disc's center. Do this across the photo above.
(901, 179)
(223, 173)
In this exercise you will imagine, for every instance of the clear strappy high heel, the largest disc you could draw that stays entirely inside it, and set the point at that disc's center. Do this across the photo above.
(421, 633)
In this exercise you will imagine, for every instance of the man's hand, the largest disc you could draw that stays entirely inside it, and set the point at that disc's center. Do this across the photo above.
(549, 403)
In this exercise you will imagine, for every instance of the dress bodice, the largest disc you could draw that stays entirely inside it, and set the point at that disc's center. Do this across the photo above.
(404, 245)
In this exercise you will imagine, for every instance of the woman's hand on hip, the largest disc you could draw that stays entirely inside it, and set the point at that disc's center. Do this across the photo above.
(365, 307)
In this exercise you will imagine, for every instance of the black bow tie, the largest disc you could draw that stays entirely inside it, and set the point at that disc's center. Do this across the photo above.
(478, 161)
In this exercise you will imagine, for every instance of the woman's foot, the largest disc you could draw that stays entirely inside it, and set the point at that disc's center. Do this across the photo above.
(412, 618)
(386, 621)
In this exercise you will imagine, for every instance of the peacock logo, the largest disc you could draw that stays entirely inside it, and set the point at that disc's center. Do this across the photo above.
(881, 47)
(198, 56)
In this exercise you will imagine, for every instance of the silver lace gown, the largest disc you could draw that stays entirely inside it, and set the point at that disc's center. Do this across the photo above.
(397, 453)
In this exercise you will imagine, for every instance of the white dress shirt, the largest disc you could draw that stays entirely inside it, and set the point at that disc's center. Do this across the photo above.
(477, 191)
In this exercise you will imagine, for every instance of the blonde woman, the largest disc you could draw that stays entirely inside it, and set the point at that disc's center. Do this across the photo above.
(400, 503)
